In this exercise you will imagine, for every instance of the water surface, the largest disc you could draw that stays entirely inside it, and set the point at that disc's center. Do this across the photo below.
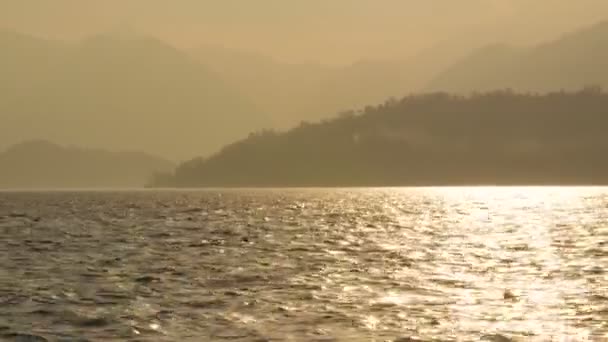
(449, 264)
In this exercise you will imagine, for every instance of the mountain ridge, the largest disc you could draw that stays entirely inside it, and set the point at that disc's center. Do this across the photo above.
(569, 62)
(434, 139)
(136, 90)
(43, 164)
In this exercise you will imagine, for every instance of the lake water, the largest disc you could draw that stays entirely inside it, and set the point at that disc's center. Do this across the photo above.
(449, 264)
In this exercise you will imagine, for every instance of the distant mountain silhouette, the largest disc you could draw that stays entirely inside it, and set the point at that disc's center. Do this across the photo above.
(116, 92)
(434, 139)
(42, 164)
(575, 60)
(308, 91)
(128, 91)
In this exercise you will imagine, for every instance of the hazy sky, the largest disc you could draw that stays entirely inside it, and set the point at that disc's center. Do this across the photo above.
(329, 31)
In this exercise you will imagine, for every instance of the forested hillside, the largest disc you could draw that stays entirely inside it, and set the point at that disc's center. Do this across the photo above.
(434, 139)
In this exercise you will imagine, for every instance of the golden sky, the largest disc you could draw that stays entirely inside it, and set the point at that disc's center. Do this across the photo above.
(327, 31)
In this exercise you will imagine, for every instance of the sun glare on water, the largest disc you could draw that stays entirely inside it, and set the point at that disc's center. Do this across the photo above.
(519, 237)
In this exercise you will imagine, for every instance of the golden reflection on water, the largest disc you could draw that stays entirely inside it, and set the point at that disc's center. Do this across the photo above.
(515, 230)
(445, 264)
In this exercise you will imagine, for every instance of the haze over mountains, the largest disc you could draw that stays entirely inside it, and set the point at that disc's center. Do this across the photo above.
(573, 61)
(336, 32)
(291, 93)
(294, 92)
(117, 92)
(135, 92)
(437, 139)
(42, 164)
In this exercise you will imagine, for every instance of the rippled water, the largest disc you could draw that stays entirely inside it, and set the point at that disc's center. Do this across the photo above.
(451, 264)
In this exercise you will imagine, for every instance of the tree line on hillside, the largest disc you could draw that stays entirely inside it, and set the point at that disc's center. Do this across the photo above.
(499, 137)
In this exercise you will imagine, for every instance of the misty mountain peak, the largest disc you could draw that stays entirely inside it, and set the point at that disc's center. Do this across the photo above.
(29, 146)
(569, 62)
(129, 42)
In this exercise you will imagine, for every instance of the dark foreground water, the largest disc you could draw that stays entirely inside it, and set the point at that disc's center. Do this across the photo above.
(449, 264)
